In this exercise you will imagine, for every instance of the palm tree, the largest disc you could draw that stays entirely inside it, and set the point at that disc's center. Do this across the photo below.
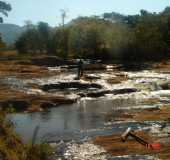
(4, 9)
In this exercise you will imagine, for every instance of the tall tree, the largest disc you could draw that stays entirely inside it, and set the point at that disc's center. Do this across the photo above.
(44, 33)
(4, 9)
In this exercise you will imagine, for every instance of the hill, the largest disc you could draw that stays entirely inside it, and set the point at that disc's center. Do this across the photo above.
(10, 32)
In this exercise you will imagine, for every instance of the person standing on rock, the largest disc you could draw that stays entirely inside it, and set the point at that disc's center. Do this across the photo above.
(80, 69)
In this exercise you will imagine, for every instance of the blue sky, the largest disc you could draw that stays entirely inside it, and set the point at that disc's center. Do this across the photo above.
(49, 10)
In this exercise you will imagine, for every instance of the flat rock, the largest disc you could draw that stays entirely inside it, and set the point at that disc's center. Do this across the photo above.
(69, 85)
(95, 94)
(124, 91)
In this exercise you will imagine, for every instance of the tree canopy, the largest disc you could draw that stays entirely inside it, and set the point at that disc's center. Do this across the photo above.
(4, 9)
(145, 36)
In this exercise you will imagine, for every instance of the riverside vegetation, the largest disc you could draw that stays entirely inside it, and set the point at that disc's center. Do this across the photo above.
(111, 36)
(12, 148)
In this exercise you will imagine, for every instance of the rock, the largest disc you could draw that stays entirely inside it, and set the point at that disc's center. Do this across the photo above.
(67, 85)
(95, 94)
(24, 62)
(124, 91)
(91, 77)
(114, 81)
(165, 86)
(19, 105)
(46, 105)
(96, 66)
(63, 100)
(48, 61)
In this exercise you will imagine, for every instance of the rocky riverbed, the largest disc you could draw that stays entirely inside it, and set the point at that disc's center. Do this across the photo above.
(83, 119)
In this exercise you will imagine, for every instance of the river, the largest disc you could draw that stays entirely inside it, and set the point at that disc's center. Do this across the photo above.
(88, 117)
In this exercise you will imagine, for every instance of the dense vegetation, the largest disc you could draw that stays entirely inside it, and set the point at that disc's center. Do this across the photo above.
(139, 37)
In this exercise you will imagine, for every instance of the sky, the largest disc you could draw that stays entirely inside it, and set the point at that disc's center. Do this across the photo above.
(50, 10)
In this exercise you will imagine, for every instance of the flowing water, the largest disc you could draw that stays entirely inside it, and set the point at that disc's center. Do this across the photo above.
(89, 116)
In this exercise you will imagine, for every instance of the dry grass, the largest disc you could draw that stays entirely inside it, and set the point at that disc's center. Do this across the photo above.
(8, 53)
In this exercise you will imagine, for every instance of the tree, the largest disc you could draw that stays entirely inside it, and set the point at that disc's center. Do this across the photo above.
(4, 9)
(44, 34)
(62, 42)
(29, 41)
(145, 36)
(166, 10)
(86, 39)
(35, 39)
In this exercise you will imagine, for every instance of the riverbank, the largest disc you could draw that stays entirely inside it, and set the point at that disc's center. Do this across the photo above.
(105, 102)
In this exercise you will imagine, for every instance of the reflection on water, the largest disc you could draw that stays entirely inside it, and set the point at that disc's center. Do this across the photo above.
(69, 121)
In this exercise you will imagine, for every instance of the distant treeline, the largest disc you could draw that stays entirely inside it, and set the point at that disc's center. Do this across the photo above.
(145, 36)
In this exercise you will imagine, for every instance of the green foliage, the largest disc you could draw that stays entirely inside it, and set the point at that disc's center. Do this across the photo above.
(86, 40)
(4, 9)
(38, 152)
(34, 39)
(12, 148)
(145, 36)
(61, 42)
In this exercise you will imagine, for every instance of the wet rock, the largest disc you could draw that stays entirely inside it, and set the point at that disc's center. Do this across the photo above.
(114, 81)
(165, 101)
(124, 91)
(95, 94)
(46, 105)
(68, 85)
(165, 86)
(96, 66)
(63, 100)
(48, 61)
(91, 77)
(19, 105)
(24, 62)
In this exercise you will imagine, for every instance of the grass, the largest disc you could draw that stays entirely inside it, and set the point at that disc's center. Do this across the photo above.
(12, 148)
